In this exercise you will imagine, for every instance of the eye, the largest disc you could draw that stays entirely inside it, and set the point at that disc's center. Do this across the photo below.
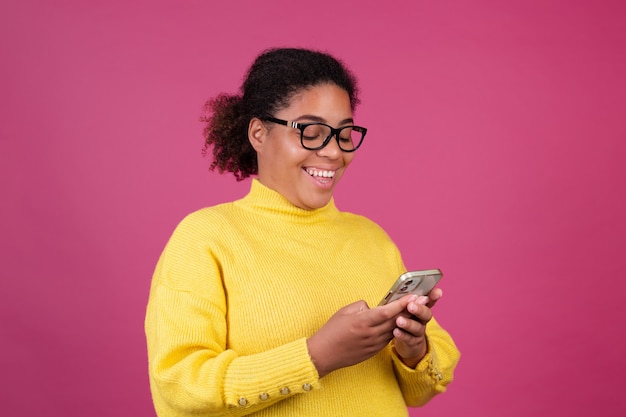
(315, 131)
(344, 138)
(346, 135)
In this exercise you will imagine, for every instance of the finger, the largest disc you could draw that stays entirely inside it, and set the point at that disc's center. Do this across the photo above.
(389, 311)
(434, 296)
(421, 300)
(407, 336)
(411, 326)
(420, 311)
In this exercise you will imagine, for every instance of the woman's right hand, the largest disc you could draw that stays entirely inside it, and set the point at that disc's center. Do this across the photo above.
(354, 334)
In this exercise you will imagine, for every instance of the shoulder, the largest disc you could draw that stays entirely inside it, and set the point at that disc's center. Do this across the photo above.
(371, 241)
(364, 226)
(358, 219)
(207, 215)
(208, 221)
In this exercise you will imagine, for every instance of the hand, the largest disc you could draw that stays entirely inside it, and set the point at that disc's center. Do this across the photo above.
(354, 334)
(410, 335)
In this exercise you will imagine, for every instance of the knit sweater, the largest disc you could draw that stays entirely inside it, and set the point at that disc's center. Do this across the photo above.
(238, 290)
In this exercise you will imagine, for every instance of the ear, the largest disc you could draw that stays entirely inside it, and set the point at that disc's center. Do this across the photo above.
(257, 133)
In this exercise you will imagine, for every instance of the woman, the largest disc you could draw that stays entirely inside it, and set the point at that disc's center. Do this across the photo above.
(261, 306)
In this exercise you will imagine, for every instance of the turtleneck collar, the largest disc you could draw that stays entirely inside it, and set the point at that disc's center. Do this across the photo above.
(266, 201)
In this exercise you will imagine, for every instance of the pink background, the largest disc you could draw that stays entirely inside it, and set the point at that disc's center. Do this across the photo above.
(496, 151)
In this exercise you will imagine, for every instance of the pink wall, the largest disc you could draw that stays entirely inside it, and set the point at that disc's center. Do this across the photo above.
(496, 152)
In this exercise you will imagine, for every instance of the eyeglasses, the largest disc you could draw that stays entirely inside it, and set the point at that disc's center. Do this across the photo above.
(314, 136)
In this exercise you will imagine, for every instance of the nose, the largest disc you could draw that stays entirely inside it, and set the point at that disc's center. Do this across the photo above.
(331, 150)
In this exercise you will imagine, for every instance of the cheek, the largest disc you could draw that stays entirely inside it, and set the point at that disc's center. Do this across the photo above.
(282, 152)
(294, 154)
(347, 158)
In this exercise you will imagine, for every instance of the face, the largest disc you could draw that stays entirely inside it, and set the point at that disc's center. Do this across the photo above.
(305, 178)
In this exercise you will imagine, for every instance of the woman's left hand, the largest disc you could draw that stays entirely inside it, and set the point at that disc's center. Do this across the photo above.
(410, 334)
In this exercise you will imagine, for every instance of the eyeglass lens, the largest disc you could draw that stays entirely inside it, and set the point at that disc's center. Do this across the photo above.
(314, 136)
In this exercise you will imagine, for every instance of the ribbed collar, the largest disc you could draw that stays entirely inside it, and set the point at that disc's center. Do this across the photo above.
(266, 201)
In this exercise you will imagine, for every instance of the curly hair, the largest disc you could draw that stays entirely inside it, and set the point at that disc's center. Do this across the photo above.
(273, 79)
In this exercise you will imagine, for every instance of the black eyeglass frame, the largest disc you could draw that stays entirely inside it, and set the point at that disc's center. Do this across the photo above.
(333, 132)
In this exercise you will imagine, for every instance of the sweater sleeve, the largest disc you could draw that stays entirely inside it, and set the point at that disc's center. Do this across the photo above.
(433, 373)
(192, 371)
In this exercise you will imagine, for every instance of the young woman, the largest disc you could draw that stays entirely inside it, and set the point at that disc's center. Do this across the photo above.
(261, 306)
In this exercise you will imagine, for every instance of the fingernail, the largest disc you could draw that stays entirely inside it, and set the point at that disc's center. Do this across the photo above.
(422, 300)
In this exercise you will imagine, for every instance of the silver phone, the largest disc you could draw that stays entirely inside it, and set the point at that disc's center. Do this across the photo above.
(413, 282)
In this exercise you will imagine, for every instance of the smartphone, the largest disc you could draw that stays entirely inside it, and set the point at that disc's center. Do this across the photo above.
(413, 282)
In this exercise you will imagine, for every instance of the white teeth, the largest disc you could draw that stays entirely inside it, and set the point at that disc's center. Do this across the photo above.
(320, 173)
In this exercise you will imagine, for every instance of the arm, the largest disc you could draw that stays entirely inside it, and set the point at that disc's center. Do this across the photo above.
(423, 364)
(424, 355)
(192, 370)
(193, 373)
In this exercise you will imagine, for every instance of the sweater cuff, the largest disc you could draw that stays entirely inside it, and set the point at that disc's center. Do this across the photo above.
(267, 377)
(427, 369)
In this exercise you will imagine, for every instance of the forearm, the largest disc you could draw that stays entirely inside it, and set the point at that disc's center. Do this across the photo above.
(433, 372)
(192, 372)
(207, 385)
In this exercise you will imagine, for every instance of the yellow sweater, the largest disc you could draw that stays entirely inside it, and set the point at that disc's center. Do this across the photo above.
(242, 285)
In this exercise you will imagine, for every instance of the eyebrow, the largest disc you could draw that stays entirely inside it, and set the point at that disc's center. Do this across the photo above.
(318, 119)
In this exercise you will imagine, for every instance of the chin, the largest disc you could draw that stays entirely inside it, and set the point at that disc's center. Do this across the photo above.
(316, 203)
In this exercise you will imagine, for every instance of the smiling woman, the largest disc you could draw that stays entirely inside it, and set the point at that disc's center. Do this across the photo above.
(256, 302)
(305, 177)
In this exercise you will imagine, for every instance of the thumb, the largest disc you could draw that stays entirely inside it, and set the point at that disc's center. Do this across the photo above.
(396, 307)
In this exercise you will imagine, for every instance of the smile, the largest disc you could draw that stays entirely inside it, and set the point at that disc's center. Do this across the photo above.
(320, 173)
